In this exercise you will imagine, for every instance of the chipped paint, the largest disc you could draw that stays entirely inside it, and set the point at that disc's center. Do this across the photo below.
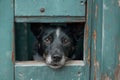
(94, 38)
(94, 35)
(96, 67)
(87, 29)
(117, 73)
(119, 57)
(96, 63)
(96, 11)
(119, 3)
(13, 46)
(106, 77)
(88, 57)
(105, 7)
(86, 36)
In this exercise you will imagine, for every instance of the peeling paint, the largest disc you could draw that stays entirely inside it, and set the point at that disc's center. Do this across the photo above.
(88, 57)
(96, 67)
(117, 73)
(87, 29)
(13, 46)
(96, 11)
(94, 35)
(119, 57)
(86, 36)
(96, 63)
(105, 7)
(94, 38)
(21, 76)
(119, 3)
(106, 77)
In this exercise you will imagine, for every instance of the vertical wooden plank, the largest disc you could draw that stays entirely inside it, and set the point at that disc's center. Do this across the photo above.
(111, 40)
(6, 40)
(96, 43)
(105, 49)
(89, 28)
(87, 39)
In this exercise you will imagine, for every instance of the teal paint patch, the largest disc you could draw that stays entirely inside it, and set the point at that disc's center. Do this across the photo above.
(6, 40)
(111, 37)
(46, 19)
(39, 71)
(105, 39)
(49, 7)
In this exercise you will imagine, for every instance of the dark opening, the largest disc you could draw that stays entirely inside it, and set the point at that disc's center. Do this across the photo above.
(25, 39)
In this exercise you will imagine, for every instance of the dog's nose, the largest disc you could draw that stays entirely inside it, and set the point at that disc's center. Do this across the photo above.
(56, 58)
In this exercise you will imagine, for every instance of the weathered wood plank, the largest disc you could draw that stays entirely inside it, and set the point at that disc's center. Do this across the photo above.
(46, 19)
(105, 50)
(6, 40)
(73, 70)
(51, 8)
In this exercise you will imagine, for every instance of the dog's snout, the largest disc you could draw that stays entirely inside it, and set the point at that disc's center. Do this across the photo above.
(56, 58)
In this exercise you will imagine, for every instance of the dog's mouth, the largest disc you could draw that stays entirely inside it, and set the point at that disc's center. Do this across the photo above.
(53, 64)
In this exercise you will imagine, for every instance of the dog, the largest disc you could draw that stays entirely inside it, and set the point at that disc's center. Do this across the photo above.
(55, 44)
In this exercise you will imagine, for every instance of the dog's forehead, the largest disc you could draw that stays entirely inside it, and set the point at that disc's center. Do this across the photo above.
(58, 32)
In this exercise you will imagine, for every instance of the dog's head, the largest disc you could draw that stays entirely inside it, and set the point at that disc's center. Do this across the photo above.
(56, 44)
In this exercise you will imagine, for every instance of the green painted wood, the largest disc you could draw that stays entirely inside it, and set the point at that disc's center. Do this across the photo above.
(111, 39)
(24, 41)
(51, 7)
(46, 19)
(87, 39)
(39, 71)
(96, 40)
(105, 49)
(6, 40)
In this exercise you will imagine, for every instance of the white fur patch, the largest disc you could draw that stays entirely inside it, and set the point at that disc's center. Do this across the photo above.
(58, 32)
(48, 59)
(60, 64)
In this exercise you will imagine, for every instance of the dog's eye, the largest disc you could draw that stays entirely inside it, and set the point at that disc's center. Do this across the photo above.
(48, 40)
(65, 41)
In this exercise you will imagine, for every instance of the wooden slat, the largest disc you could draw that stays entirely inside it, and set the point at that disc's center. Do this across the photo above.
(52, 7)
(6, 40)
(32, 70)
(48, 19)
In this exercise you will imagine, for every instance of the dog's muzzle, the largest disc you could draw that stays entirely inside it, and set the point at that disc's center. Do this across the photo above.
(55, 61)
(56, 58)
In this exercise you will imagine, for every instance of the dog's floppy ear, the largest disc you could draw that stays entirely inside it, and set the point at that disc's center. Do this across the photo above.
(77, 30)
(37, 30)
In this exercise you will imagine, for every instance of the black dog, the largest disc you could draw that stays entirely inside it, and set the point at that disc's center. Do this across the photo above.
(55, 44)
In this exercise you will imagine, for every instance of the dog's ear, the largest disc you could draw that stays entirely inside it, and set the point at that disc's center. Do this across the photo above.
(37, 30)
(77, 30)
